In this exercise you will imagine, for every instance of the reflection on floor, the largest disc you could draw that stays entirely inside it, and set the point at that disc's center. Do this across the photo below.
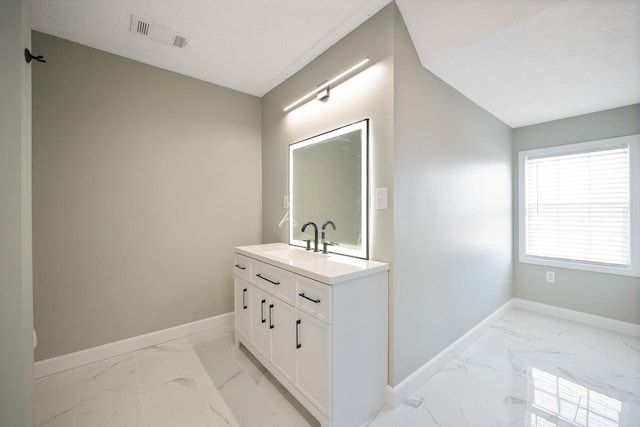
(255, 397)
(531, 370)
(527, 370)
(567, 400)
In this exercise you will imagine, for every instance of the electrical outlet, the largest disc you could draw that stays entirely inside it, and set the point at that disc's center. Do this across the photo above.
(551, 277)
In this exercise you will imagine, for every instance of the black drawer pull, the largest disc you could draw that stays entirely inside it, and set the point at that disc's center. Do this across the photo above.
(240, 267)
(271, 316)
(298, 345)
(268, 280)
(317, 301)
(262, 311)
(244, 303)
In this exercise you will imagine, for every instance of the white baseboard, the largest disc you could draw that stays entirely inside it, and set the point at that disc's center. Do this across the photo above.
(406, 387)
(68, 361)
(578, 316)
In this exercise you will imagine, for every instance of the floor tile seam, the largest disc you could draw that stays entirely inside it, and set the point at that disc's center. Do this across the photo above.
(227, 413)
(497, 389)
(236, 373)
(507, 369)
(428, 401)
(55, 415)
(85, 374)
(189, 360)
(77, 398)
(83, 381)
(239, 371)
(272, 404)
(142, 406)
(75, 412)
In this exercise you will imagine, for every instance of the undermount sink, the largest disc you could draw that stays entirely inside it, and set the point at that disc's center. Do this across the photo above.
(293, 254)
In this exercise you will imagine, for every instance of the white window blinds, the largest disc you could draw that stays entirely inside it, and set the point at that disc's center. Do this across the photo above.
(578, 206)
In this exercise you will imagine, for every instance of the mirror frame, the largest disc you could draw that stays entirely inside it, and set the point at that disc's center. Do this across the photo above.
(361, 251)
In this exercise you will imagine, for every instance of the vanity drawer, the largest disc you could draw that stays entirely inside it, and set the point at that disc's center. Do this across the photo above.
(273, 280)
(241, 267)
(313, 298)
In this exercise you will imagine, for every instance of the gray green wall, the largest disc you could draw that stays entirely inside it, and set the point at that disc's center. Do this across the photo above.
(452, 212)
(143, 182)
(16, 308)
(441, 156)
(369, 94)
(608, 295)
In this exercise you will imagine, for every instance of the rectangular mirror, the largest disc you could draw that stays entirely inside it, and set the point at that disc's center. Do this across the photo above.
(328, 181)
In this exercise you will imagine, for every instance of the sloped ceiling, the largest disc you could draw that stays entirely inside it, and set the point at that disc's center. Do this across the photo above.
(532, 61)
(524, 61)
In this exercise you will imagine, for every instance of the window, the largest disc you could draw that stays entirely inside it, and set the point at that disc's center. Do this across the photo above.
(579, 206)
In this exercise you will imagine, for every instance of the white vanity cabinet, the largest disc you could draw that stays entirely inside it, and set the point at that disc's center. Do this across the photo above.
(318, 323)
(242, 296)
(272, 331)
(313, 360)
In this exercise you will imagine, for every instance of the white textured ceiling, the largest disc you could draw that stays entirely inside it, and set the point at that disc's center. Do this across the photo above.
(247, 45)
(532, 61)
(524, 61)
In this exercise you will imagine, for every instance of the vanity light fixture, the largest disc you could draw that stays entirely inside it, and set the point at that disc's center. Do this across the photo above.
(322, 91)
(323, 95)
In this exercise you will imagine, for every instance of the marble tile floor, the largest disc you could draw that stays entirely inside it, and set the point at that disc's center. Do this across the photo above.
(526, 370)
(531, 370)
(162, 385)
(255, 397)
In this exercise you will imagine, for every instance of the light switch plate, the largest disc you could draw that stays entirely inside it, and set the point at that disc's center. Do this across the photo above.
(381, 198)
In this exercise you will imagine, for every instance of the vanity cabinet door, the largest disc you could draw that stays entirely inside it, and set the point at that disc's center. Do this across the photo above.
(260, 335)
(242, 310)
(313, 368)
(283, 340)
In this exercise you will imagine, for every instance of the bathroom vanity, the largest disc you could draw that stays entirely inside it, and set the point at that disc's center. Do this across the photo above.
(318, 323)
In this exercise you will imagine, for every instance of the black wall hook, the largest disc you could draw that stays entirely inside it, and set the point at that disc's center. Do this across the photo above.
(28, 56)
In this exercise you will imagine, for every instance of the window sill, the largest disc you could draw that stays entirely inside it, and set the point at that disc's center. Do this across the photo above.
(619, 271)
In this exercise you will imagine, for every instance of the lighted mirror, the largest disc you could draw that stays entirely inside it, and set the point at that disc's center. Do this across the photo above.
(328, 181)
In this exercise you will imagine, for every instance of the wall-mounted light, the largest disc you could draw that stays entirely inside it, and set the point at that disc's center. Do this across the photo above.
(322, 91)
(323, 95)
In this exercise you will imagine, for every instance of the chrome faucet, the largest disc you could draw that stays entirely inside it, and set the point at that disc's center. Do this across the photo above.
(315, 240)
(324, 240)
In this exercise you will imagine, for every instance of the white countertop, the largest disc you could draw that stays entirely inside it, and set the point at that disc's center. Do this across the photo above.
(327, 268)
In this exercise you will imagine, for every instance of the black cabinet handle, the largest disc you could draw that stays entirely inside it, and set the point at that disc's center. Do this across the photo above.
(317, 301)
(244, 302)
(268, 280)
(271, 316)
(298, 345)
(262, 311)
(240, 267)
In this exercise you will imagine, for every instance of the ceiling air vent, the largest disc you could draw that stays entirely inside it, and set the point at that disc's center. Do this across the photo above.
(157, 32)
(142, 28)
(179, 41)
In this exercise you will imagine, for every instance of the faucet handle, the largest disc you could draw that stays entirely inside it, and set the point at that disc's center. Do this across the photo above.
(325, 244)
(308, 244)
